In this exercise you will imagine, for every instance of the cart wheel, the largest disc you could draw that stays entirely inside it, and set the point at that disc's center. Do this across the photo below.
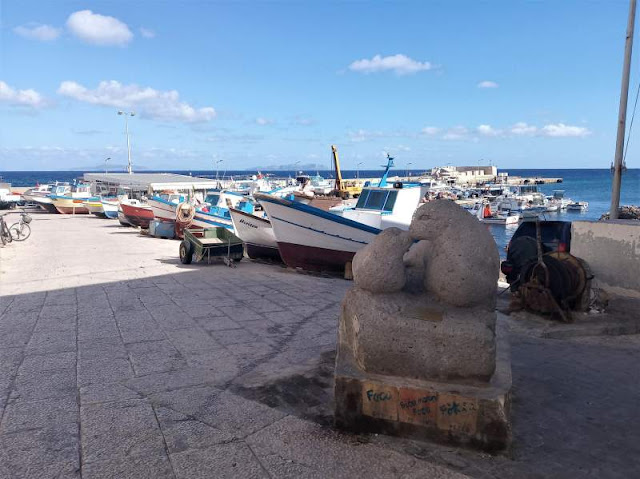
(186, 252)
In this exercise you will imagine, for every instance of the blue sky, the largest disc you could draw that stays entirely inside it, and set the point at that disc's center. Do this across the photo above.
(520, 84)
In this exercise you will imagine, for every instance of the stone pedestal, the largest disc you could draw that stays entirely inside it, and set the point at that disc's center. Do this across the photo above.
(472, 414)
(420, 352)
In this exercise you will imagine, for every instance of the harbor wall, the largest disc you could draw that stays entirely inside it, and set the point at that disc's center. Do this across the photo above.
(612, 251)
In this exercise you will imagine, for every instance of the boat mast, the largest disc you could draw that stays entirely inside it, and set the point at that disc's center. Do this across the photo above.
(383, 180)
(336, 166)
(622, 115)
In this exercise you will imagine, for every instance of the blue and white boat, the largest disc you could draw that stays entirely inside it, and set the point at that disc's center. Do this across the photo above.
(213, 212)
(317, 240)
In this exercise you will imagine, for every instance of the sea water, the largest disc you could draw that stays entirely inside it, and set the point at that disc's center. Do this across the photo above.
(591, 185)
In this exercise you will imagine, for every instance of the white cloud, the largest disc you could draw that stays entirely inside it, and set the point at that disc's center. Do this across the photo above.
(37, 31)
(487, 84)
(488, 130)
(28, 98)
(148, 102)
(147, 33)
(431, 130)
(456, 133)
(559, 130)
(98, 29)
(522, 129)
(556, 130)
(303, 121)
(399, 64)
(264, 121)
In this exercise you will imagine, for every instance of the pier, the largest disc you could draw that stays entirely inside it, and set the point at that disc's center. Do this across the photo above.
(117, 361)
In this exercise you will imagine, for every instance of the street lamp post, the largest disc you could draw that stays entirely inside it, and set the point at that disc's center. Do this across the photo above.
(407, 171)
(217, 162)
(106, 160)
(358, 170)
(126, 127)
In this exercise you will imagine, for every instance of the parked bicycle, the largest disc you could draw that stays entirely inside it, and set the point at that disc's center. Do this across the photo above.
(21, 230)
(5, 235)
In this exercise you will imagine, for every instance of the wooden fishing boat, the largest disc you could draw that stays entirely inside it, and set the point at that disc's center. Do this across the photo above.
(257, 234)
(67, 205)
(137, 213)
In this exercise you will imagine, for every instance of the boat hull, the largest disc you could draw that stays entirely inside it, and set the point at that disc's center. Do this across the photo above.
(44, 202)
(507, 220)
(166, 211)
(110, 209)
(137, 215)
(162, 210)
(95, 208)
(257, 235)
(313, 239)
(70, 206)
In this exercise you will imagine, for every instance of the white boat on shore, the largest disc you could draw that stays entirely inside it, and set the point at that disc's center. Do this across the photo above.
(256, 233)
(317, 240)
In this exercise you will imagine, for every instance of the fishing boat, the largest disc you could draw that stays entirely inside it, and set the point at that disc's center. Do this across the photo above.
(485, 215)
(8, 200)
(317, 240)
(213, 211)
(257, 234)
(122, 219)
(578, 206)
(73, 201)
(42, 195)
(32, 195)
(137, 213)
(110, 207)
(94, 205)
(163, 205)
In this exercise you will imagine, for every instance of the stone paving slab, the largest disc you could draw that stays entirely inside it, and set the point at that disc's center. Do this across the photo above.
(120, 362)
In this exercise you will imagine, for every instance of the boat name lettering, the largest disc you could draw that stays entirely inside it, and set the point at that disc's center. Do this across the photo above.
(247, 223)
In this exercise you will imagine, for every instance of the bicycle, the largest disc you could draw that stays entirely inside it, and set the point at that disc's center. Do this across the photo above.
(5, 234)
(21, 230)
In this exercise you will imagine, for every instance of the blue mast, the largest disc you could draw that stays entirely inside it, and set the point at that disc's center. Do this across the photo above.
(383, 180)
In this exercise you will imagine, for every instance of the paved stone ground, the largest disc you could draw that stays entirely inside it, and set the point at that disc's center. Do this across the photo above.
(116, 361)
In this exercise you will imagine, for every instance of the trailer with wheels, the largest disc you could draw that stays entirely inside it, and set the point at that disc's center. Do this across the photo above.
(200, 244)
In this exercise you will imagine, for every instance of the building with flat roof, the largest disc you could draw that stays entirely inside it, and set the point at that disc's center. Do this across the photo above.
(147, 182)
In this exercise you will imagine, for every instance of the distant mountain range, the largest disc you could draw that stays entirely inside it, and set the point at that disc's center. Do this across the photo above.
(113, 168)
(289, 167)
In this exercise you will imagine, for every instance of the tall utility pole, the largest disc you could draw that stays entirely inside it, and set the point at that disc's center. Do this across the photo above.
(126, 127)
(622, 115)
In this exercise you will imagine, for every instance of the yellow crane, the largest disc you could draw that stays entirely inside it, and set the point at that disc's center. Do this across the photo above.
(344, 188)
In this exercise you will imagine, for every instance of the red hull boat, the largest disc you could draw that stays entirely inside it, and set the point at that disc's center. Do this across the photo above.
(138, 215)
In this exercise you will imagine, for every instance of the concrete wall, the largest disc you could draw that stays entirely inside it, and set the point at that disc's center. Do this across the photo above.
(612, 250)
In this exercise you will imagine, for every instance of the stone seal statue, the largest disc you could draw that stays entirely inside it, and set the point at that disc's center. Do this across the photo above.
(423, 300)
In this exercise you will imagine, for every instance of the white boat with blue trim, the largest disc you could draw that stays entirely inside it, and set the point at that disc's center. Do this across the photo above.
(212, 211)
(317, 240)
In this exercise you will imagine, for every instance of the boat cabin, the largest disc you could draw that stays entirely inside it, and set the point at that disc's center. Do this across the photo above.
(386, 207)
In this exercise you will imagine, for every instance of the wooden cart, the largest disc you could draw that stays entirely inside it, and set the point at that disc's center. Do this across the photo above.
(211, 243)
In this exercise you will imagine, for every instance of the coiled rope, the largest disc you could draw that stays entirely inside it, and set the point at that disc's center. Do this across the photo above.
(185, 212)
